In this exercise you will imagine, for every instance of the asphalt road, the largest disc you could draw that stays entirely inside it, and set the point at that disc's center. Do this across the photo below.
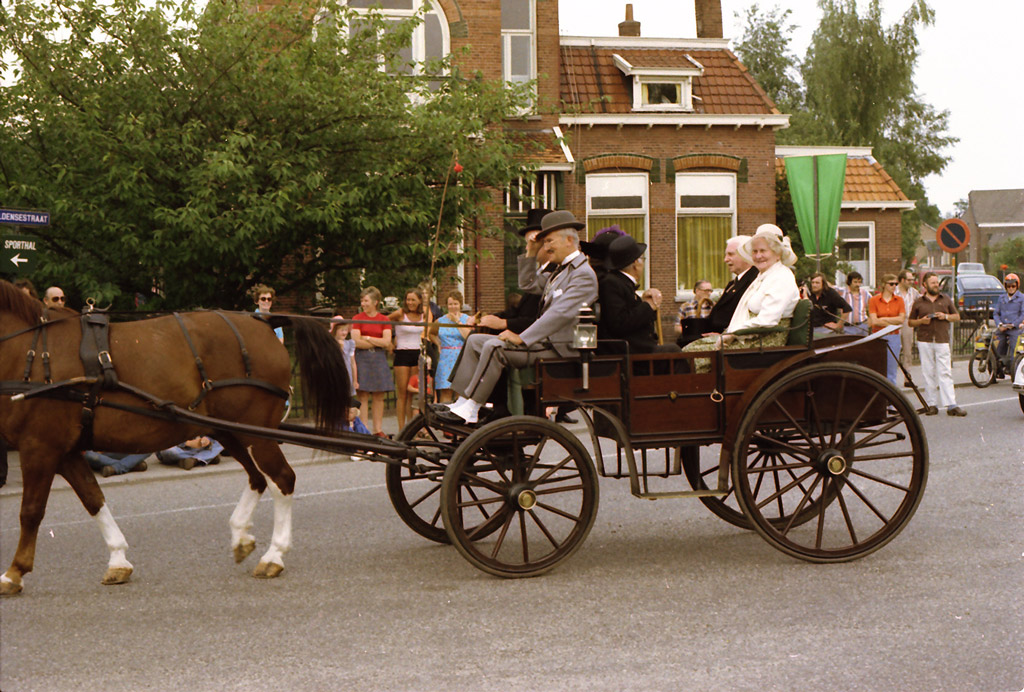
(662, 596)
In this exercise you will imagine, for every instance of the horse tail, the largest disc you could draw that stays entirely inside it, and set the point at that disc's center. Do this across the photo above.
(325, 380)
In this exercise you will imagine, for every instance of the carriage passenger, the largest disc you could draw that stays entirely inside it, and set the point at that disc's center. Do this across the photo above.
(768, 302)
(624, 315)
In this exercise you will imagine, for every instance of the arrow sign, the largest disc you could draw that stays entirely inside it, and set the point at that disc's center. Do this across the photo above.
(18, 254)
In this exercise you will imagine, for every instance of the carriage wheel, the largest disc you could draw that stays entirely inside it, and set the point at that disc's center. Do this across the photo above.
(702, 474)
(534, 475)
(982, 368)
(858, 454)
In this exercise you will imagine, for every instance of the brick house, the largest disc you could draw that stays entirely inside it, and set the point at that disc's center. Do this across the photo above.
(994, 216)
(670, 138)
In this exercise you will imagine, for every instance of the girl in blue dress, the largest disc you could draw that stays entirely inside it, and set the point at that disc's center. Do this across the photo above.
(450, 341)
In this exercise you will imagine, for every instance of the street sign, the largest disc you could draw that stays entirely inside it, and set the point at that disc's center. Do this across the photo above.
(953, 235)
(18, 254)
(20, 217)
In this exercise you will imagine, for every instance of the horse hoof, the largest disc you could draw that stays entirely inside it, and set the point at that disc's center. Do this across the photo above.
(267, 570)
(117, 575)
(242, 550)
(9, 588)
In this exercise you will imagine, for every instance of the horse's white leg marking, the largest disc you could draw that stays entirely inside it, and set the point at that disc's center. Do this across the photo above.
(112, 536)
(242, 541)
(282, 538)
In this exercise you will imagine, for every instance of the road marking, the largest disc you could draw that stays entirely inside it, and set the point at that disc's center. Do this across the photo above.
(194, 508)
(990, 401)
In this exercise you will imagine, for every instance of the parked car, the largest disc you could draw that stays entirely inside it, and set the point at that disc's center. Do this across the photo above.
(974, 292)
(970, 268)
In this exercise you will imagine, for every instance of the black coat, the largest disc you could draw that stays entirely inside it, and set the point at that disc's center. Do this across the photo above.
(721, 314)
(517, 319)
(624, 316)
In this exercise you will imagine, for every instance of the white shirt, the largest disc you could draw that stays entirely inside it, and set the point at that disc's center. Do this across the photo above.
(772, 296)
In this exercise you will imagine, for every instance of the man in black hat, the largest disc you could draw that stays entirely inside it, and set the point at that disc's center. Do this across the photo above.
(563, 292)
(624, 315)
(597, 249)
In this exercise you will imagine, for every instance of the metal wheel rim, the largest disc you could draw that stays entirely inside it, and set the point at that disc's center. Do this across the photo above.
(881, 478)
(543, 484)
(978, 378)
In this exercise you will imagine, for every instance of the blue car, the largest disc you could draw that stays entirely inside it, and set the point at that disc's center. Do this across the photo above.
(975, 293)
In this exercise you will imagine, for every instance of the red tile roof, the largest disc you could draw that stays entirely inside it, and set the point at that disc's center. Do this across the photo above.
(591, 82)
(541, 147)
(866, 181)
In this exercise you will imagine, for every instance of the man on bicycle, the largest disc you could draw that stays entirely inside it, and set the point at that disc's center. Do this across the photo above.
(1008, 315)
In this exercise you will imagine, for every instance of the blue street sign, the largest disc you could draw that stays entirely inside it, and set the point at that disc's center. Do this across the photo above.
(18, 217)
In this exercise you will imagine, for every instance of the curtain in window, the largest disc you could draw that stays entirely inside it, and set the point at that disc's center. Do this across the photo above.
(700, 244)
(633, 225)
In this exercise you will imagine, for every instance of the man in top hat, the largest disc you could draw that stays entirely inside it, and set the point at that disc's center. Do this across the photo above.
(624, 315)
(524, 313)
(563, 292)
(597, 249)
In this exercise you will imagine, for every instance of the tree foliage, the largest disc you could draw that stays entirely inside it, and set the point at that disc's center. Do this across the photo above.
(197, 152)
(858, 90)
(1011, 253)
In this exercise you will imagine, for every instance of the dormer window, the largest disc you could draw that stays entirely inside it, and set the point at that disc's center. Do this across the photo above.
(661, 88)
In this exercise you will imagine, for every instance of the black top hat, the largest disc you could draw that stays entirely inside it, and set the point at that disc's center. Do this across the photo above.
(558, 220)
(533, 218)
(623, 251)
(598, 247)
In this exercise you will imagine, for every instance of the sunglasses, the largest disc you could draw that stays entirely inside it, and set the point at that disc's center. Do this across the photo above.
(266, 300)
(892, 283)
(57, 299)
(1010, 285)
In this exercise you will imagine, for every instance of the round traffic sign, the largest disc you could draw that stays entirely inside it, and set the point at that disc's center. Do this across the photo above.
(953, 235)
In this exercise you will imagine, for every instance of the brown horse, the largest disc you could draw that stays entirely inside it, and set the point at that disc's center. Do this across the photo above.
(155, 357)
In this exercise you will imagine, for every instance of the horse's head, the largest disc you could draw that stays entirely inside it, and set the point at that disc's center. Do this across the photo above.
(17, 308)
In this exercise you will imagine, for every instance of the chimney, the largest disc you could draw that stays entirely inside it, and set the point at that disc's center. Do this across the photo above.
(631, 28)
(709, 18)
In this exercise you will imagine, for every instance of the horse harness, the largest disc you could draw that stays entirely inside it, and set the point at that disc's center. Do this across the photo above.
(100, 374)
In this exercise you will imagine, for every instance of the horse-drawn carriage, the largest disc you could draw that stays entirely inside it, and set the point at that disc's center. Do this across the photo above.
(819, 454)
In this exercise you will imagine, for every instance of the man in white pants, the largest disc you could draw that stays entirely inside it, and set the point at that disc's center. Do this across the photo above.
(930, 316)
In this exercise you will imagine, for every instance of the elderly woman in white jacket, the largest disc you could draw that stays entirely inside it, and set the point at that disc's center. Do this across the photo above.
(768, 301)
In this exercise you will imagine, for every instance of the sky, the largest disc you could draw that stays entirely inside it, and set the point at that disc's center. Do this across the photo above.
(967, 66)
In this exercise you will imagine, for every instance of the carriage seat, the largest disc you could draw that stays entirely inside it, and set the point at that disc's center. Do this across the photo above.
(799, 326)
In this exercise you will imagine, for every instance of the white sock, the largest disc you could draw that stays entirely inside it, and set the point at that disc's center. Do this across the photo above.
(467, 409)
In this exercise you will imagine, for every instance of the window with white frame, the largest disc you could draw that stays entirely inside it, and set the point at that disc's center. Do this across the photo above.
(618, 199)
(518, 40)
(536, 191)
(705, 220)
(855, 244)
(430, 39)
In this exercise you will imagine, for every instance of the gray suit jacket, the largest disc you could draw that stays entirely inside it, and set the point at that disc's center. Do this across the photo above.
(561, 300)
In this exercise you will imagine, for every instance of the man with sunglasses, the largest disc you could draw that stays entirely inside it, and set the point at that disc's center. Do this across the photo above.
(54, 297)
(1008, 315)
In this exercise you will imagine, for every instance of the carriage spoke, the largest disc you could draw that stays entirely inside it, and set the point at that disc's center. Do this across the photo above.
(847, 517)
(558, 479)
(425, 495)
(535, 459)
(544, 529)
(783, 490)
(866, 501)
(821, 515)
(501, 535)
(522, 533)
(799, 428)
(560, 512)
(560, 489)
(553, 469)
(856, 421)
(800, 506)
(878, 479)
(803, 451)
(476, 479)
(780, 467)
(863, 441)
(839, 410)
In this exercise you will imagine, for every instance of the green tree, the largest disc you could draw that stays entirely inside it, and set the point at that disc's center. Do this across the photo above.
(858, 90)
(1011, 253)
(765, 51)
(197, 152)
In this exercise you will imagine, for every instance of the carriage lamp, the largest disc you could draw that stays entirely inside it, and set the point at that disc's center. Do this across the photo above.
(584, 339)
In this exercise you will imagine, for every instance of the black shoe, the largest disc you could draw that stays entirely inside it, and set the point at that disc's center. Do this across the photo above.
(566, 419)
(107, 471)
(447, 416)
(955, 411)
(188, 463)
(438, 408)
(141, 466)
(931, 410)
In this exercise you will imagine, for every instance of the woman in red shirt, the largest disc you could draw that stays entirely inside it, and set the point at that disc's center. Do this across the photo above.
(373, 341)
(884, 309)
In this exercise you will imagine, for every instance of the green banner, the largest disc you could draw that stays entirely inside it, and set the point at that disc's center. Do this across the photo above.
(816, 182)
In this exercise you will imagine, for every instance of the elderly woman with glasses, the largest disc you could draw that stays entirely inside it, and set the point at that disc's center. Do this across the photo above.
(886, 309)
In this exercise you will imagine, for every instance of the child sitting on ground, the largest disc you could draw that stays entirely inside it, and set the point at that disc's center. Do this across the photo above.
(354, 423)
